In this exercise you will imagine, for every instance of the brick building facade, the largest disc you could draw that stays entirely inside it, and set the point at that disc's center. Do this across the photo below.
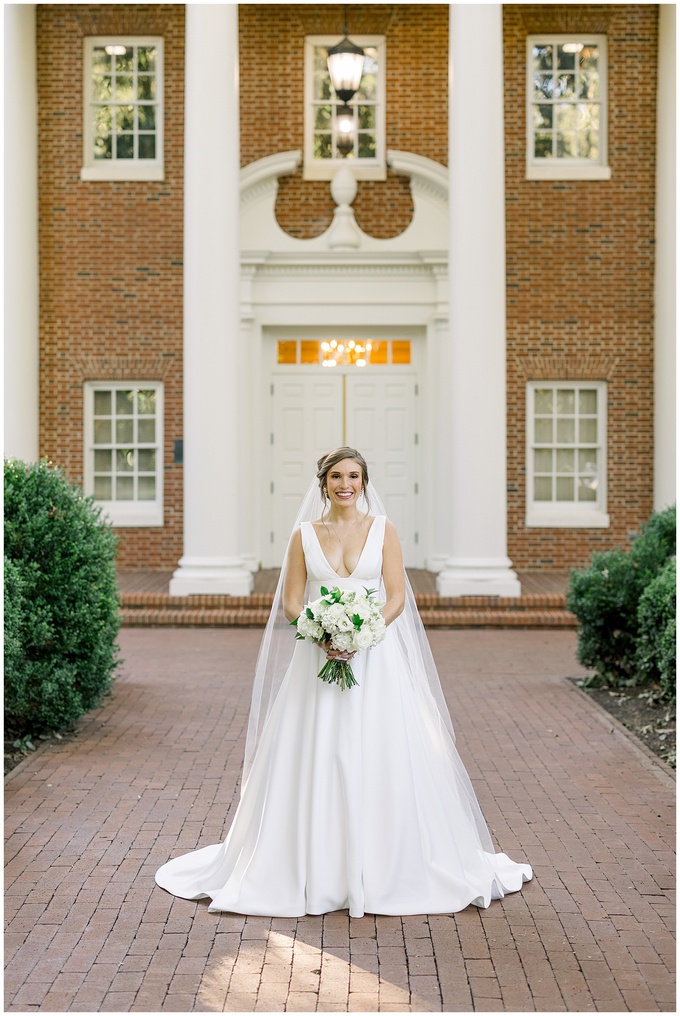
(579, 253)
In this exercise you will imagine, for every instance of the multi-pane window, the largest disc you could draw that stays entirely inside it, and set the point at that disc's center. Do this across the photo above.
(566, 105)
(123, 108)
(124, 451)
(367, 154)
(566, 450)
(344, 352)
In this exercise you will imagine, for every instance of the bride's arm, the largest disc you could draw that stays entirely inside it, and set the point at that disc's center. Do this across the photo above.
(295, 580)
(393, 574)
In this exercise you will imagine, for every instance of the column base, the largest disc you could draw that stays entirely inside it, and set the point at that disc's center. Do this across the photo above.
(478, 576)
(211, 575)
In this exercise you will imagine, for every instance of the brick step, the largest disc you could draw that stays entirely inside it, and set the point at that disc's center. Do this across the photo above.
(447, 612)
(432, 601)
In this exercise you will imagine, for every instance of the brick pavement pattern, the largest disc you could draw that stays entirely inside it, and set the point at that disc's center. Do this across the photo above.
(155, 772)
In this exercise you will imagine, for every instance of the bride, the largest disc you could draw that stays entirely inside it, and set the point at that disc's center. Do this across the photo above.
(351, 798)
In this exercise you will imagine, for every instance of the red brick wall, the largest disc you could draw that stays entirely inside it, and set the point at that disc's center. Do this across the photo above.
(110, 256)
(580, 262)
(272, 101)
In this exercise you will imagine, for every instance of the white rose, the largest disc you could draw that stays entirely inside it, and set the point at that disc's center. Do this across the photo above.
(345, 643)
(309, 628)
(363, 639)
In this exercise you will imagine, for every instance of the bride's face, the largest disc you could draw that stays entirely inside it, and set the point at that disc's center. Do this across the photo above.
(343, 483)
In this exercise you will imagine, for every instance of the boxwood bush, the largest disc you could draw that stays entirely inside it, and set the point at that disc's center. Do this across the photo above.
(61, 600)
(656, 648)
(605, 597)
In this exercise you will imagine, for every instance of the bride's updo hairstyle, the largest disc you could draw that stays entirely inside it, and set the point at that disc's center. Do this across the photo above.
(326, 463)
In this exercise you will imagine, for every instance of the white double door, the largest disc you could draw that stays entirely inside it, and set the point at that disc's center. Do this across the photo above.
(314, 411)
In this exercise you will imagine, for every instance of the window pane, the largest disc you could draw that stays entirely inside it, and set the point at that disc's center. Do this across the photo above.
(102, 461)
(587, 401)
(543, 116)
(377, 352)
(589, 86)
(587, 431)
(146, 86)
(124, 146)
(543, 431)
(102, 488)
(102, 147)
(102, 403)
(309, 352)
(587, 489)
(565, 400)
(102, 432)
(286, 352)
(124, 61)
(322, 117)
(565, 431)
(125, 118)
(146, 117)
(587, 116)
(147, 146)
(369, 87)
(124, 432)
(146, 460)
(565, 60)
(146, 488)
(589, 57)
(589, 145)
(543, 146)
(125, 460)
(101, 87)
(587, 461)
(565, 86)
(565, 461)
(543, 57)
(367, 118)
(146, 402)
(401, 351)
(124, 488)
(564, 488)
(146, 431)
(103, 119)
(323, 148)
(124, 403)
(101, 61)
(542, 488)
(565, 116)
(366, 146)
(322, 86)
(124, 90)
(543, 400)
(543, 460)
(543, 86)
(146, 58)
(566, 146)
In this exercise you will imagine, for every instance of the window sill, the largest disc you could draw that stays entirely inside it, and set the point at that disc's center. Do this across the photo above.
(326, 170)
(566, 520)
(126, 516)
(560, 171)
(114, 172)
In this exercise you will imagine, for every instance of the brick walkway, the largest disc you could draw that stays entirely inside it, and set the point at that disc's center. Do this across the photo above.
(155, 773)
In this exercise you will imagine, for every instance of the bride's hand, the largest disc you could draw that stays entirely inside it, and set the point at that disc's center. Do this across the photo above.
(337, 654)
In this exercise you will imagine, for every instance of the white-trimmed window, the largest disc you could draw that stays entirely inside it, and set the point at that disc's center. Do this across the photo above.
(124, 450)
(567, 107)
(123, 108)
(566, 454)
(322, 158)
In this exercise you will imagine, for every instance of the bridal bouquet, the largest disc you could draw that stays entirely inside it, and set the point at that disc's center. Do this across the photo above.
(342, 620)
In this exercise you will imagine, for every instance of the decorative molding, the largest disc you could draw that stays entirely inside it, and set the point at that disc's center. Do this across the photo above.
(568, 368)
(262, 177)
(124, 368)
(426, 174)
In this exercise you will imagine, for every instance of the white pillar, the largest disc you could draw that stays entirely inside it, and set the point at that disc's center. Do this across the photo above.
(664, 270)
(478, 563)
(213, 470)
(21, 234)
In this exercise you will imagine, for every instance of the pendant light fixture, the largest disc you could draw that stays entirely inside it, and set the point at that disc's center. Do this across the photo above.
(345, 65)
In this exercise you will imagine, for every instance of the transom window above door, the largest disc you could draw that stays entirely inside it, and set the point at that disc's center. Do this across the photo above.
(344, 352)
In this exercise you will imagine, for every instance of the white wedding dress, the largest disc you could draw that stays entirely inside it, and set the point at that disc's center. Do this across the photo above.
(352, 801)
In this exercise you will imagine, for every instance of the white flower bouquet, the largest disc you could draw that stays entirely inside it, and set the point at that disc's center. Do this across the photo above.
(343, 620)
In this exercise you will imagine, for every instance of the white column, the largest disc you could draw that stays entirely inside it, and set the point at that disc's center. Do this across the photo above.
(478, 563)
(21, 234)
(664, 271)
(213, 470)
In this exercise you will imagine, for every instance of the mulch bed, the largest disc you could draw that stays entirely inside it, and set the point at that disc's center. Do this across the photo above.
(640, 710)
(17, 750)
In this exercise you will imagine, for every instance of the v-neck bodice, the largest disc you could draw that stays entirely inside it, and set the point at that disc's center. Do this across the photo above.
(367, 571)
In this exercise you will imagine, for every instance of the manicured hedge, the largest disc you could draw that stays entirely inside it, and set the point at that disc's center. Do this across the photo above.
(656, 648)
(61, 601)
(605, 598)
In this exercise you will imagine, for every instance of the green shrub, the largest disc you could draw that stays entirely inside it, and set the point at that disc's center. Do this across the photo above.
(61, 601)
(657, 630)
(604, 598)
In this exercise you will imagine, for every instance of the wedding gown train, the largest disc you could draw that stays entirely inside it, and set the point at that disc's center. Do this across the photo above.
(352, 800)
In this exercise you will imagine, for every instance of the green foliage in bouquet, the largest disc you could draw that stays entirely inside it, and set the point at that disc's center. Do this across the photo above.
(656, 648)
(61, 600)
(604, 598)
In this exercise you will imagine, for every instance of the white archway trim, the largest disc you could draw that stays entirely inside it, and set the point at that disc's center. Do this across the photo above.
(425, 174)
(261, 177)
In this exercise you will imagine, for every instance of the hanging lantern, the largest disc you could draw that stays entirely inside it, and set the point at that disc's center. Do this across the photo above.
(345, 66)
